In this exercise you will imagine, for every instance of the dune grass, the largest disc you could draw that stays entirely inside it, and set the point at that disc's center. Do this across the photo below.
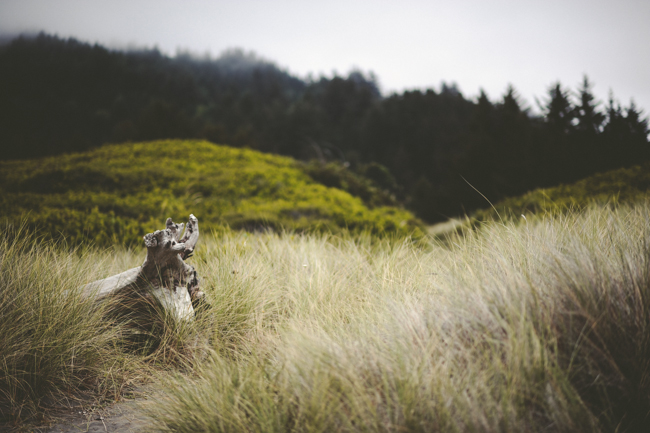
(543, 326)
(58, 347)
(51, 341)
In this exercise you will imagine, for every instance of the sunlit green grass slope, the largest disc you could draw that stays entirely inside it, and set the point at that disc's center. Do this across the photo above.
(117, 193)
(625, 185)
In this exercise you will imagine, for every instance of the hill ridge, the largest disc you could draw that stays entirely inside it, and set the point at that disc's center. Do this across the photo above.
(117, 193)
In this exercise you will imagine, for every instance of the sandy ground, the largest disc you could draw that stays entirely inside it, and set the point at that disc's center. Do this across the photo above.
(446, 227)
(124, 417)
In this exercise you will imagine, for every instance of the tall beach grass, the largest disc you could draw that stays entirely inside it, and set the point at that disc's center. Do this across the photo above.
(539, 325)
(535, 326)
(55, 343)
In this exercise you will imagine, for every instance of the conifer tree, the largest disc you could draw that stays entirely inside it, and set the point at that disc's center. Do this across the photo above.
(587, 139)
(589, 118)
(559, 155)
(510, 102)
(559, 112)
(615, 146)
(637, 135)
(637, 125)
(514, 148)
(479, 161)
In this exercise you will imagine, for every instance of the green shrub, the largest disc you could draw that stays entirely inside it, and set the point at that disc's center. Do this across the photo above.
(625, 185)
(117, 193)
(375, 185)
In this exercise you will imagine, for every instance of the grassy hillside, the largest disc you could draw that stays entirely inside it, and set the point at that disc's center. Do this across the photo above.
(537, 327)
(625, 185)
(117, 193)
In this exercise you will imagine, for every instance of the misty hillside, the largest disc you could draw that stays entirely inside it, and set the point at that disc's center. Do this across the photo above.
(79, 96)
(439, 147)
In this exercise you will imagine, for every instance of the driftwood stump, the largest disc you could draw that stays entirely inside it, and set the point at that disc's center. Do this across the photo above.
(164, 273)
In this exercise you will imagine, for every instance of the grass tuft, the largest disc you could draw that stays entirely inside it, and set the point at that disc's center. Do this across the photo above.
(55, 344)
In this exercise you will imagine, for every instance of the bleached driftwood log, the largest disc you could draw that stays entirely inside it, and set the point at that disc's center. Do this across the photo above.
(164, 273)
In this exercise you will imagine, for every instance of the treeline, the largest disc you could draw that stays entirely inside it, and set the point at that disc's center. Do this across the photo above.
(440, 148)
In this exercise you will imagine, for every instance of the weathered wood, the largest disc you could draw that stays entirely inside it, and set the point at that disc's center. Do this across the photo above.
(164, 273)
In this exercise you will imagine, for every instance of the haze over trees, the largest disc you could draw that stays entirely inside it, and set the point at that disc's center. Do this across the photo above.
(439, 147)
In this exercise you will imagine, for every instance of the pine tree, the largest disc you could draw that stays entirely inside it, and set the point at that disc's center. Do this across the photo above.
(512, 143)
(560, 156)
(479, 160)
(558, 111)
(637, 125)
(615, 137)
(510, 102)
(588, 142)
(590, 120)
(637, 134)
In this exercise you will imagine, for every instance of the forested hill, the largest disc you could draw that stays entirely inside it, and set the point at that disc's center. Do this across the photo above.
(58, 96)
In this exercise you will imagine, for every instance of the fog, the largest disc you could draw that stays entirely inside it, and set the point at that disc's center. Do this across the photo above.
(408, 44)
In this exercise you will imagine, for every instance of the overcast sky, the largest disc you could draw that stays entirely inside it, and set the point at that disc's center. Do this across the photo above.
(407, 43)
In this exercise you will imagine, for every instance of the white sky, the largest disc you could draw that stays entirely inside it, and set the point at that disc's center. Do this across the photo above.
(407, 43)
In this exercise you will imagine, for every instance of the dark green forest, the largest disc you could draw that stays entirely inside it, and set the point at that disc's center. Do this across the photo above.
(432, 150)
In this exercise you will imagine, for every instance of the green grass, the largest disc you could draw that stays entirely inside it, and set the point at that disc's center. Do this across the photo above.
(625, 185)
(116, 193)
(540, 325)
